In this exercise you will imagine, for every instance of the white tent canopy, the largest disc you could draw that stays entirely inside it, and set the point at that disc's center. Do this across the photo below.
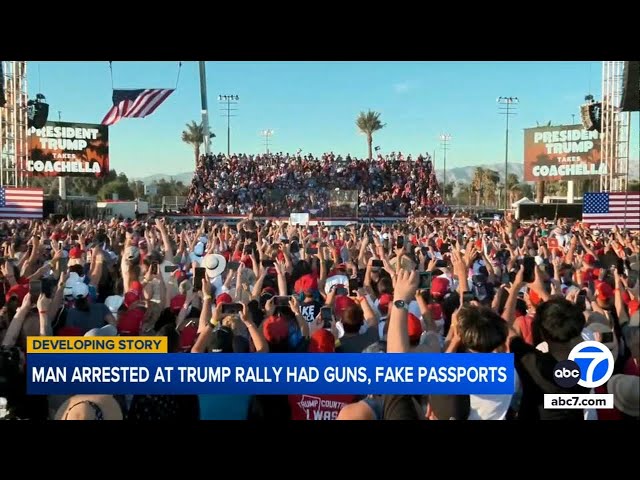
(523, 200)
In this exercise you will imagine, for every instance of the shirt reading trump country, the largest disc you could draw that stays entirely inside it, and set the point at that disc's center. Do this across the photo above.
(318, 407)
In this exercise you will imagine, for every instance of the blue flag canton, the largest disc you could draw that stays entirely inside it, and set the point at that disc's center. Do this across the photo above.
(121, 95)
(3, 197)
(595, 203)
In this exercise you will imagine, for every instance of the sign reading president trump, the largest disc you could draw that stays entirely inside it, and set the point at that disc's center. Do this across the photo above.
(566, 152)
(68, 149)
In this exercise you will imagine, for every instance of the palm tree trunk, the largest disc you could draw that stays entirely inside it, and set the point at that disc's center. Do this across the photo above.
(540, 192)
(370, 145)
(197, 150)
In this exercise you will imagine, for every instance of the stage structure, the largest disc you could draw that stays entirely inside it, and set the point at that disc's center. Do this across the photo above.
(13, 124)
(616, 131)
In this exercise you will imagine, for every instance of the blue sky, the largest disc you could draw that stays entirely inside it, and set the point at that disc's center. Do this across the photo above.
(313, 105)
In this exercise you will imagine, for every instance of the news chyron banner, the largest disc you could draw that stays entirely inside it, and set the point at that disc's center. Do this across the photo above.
(565, 152)
(68, 149)
(141, 365)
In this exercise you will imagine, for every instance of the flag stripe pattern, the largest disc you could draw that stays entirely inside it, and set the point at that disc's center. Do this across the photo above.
(608, 209)
(135, 103)
(21, 202)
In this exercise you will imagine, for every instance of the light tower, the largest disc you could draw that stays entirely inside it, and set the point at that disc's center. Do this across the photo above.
(14, 145)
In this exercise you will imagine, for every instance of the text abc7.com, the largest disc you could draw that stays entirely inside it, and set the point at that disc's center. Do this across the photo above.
(590, 365)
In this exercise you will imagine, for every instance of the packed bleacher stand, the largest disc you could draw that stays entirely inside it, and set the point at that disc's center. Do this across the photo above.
(276, 184)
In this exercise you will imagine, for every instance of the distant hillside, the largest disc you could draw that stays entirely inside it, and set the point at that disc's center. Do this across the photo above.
(179, 177)
(465, 174)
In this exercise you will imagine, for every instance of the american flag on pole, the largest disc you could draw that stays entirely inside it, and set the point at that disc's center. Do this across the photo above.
(609, 209)
(135, 103)
(21, 202)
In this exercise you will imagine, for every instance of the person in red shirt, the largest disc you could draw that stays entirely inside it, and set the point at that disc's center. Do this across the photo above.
(319, 407)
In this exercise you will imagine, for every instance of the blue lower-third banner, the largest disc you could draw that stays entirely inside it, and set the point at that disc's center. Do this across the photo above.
(253, 374)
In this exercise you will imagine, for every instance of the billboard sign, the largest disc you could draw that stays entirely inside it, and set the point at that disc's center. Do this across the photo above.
(69, 150)
(565, 152)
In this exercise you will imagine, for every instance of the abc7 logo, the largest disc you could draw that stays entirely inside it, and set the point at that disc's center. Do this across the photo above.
(594, 372)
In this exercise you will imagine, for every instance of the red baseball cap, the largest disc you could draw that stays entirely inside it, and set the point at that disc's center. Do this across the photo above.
(75, 253)
(439, 287)
(414, 328)
(604, 291)
(589, 259)
(383, 303)
(224, 298)
(180, 276)
(188, 337)
(130, 322)
(306, 283)
(340, 304)
(247, 261)
(18, 291)
(322, 341)
(177, 302)
(269, 291)
(436, 311)
(276, 329)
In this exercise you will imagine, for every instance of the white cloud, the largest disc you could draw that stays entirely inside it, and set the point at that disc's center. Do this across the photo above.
(402, 87)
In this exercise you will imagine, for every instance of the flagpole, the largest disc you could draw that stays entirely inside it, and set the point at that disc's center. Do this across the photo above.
(205, 112)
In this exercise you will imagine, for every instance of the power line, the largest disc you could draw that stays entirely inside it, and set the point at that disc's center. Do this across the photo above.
(229, 101)
(507, 107)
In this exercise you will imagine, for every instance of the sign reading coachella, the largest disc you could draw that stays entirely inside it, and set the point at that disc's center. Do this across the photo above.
(68, 149)
(565, 152)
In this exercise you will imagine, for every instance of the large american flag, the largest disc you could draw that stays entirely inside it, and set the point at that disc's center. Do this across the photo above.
(608, 209)
(135, 103)
(21, 202)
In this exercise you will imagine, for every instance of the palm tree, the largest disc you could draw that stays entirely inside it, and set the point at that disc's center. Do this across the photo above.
(490, 183)
(477, 183)
(368, 123)
(194, 136)
(512, 184)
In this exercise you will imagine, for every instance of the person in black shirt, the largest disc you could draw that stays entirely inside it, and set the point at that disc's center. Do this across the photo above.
(559, 323)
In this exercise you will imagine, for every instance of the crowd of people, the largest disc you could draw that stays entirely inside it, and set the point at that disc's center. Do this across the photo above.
(277, 184)
(456, 285)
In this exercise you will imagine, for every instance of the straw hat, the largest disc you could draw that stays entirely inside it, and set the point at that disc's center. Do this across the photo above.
(626, 393)
(90, 407)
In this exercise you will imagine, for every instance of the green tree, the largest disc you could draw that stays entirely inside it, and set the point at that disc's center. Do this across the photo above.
(121, 188)
(484, 184)
(171, 188)
(137, 187)
(194, 136)
(634, 186)
(464, 194)
(368, 123)
(448, 189)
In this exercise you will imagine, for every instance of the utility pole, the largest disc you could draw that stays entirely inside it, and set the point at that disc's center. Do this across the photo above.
(267, 134)
(507, 107)
(445, 138)
(228, 101)
(204, 107)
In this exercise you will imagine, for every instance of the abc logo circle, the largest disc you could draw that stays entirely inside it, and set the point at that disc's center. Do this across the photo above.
(566, 374)
(590, 365)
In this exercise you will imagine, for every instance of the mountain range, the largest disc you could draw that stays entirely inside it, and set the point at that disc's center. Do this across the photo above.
(457, 174)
